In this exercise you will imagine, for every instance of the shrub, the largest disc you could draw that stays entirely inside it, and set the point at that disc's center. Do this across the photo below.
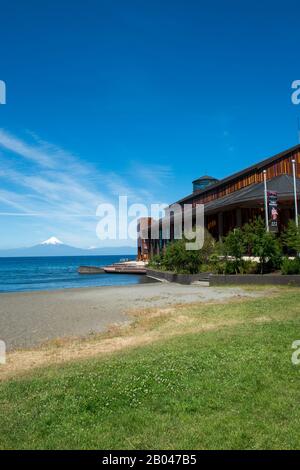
(234, 245)
(262, 244)
(156, 262)
(291, 237)
(290, 266)
(206, 268)
(226, 257)
(249, 267)
(220, 267)
(176, 258)
(230, 267)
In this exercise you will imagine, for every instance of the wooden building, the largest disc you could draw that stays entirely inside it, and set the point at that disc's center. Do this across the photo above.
(143, 240)
(236, 199)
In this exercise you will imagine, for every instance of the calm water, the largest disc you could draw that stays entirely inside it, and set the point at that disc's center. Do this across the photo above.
(48, 273)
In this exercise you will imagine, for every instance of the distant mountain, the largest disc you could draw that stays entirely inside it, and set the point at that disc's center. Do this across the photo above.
(52, 241)
(54, 247)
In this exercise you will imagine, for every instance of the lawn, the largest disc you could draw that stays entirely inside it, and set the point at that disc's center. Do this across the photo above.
(224, 381)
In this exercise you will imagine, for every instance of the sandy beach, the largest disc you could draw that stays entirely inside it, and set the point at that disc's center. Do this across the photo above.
(28, 319)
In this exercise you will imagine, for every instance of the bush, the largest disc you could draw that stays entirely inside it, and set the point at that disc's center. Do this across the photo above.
(178, 259)
(206, 268)
(226, 257)
(262, 244)
(156, 261)
(234, 245)
(230, 267)
(249, 267)
(219, 267)
(290, 266)
(291, 237)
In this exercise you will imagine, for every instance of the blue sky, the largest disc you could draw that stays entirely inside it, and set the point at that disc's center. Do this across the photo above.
(138, 98)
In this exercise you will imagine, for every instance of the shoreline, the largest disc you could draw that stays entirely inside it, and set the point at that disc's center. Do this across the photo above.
(62, 289)
(146, 326)
(57, 273)
(28, 319)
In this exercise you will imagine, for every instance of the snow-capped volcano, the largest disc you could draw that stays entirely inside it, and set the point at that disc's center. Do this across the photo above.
(55, 247)
(52, 241)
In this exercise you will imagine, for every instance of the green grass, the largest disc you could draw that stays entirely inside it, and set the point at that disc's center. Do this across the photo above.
(230, 388)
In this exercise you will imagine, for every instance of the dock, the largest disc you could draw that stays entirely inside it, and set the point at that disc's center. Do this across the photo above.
(127, 267)
(131, 267)
(90, 270)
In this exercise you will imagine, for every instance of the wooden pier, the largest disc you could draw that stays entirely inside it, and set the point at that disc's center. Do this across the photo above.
(125, 268)
(130, 267)
(90, 270)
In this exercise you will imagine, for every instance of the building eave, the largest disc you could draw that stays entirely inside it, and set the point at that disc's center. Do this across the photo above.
(256, 167)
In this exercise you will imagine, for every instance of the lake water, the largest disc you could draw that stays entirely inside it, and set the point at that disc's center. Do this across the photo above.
(49, 273)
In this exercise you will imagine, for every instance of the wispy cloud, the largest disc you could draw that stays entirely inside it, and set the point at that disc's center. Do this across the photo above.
(39, 179)
(156, 175)
(38, 155)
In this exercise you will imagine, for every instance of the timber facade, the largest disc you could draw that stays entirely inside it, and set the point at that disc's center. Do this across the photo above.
(237, 199)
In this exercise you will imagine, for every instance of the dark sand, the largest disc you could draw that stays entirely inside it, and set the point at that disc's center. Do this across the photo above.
(27, 319)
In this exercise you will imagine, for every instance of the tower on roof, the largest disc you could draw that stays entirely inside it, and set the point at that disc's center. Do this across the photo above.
(202, 183)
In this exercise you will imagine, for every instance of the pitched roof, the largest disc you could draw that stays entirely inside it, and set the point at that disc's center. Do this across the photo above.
(282, 184)
(256, 167)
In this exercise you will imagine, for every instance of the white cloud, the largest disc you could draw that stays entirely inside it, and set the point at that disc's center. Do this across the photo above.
(41, 180)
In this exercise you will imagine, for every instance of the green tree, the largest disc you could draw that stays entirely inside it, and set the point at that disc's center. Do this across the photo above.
(177, 258)
(234, 245)
(156, 261)
(251, 231)
(262, 244)
(291, 237)
(267, 248)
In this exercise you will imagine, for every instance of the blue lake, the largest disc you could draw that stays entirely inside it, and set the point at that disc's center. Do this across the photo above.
(49, 273)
